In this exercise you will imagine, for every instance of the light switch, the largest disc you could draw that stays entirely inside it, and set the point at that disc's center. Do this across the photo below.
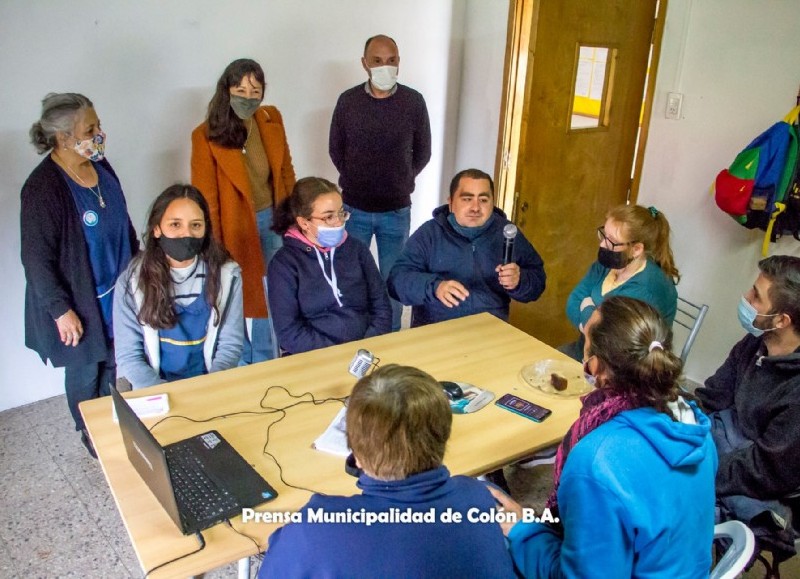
(674, 103)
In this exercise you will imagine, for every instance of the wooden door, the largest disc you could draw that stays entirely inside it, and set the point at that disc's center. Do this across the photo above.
(567, 177)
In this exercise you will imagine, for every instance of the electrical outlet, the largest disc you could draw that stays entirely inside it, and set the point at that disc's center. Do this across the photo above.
(674, 103)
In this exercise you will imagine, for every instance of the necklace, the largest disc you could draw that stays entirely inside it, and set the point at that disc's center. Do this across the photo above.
(98, 193)
(249, 128)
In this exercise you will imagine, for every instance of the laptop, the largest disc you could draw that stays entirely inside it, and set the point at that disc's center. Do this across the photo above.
(200, 481)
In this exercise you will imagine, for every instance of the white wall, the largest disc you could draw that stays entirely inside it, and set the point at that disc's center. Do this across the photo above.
(481, 85)
(736, 62)
(150, 67)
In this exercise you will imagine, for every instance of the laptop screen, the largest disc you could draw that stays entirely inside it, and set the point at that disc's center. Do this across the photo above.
(146, 456)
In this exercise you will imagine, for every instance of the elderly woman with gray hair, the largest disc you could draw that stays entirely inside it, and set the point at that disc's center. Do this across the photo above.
(77, 238)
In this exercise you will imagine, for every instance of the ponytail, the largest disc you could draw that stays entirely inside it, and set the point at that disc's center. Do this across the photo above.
(634, 346)
(650, 227)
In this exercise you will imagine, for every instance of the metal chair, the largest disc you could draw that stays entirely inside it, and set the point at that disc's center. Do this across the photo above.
(691, 317)
(276, 348)
(738, 553)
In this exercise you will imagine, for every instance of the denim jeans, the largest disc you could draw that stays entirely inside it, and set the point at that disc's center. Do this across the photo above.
(87, 382)
(258, 345)
(391, 233)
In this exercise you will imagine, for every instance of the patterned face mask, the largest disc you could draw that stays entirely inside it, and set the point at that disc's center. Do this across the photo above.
(93, 149)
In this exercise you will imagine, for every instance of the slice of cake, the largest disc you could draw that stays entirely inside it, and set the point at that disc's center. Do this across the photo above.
(558, 382)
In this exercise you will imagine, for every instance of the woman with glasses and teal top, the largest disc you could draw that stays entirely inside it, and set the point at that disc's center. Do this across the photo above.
(242, 166)
(324, 286)
(634, 260)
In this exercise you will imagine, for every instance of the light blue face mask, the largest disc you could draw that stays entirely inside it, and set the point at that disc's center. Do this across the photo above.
(590, 378)
(329, 236)
(748, 315)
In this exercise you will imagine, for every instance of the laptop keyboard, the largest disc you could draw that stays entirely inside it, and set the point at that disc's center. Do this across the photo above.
(194, 491)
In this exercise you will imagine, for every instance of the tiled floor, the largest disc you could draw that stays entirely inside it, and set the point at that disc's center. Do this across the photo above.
(58, 519)
(57, 516)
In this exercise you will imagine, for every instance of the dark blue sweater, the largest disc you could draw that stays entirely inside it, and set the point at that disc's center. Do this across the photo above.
(304, 311)
(436, 252)
(423, 549)
(379, 146)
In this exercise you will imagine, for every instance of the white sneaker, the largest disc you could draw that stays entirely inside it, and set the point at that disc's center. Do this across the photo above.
(544, 456)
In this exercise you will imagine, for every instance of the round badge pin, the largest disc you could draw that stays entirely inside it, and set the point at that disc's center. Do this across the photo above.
(90, 218)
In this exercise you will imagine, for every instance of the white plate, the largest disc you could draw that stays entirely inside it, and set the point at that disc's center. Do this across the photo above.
(538, 376)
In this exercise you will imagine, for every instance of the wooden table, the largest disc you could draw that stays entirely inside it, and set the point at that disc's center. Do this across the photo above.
(480, 350)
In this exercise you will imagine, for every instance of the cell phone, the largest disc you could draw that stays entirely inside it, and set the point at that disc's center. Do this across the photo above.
(523, 407)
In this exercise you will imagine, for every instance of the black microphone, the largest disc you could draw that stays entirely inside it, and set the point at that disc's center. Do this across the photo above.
(509, 232)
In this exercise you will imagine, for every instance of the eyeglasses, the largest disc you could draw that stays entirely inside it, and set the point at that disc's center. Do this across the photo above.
(601, 235)
(333, 219)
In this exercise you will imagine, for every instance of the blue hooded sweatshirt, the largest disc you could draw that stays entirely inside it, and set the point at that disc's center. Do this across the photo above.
(433, 548)
(636, 499)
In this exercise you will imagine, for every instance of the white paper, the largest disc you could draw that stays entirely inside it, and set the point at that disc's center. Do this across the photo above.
(146, 406)
(334, 439)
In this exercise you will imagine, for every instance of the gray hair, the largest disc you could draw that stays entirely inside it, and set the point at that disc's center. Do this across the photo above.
(58, 115)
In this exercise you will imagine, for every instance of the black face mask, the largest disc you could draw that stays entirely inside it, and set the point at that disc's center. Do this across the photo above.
(181, 248)
(613, 259)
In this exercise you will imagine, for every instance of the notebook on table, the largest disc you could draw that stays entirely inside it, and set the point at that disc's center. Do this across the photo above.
(200, 481)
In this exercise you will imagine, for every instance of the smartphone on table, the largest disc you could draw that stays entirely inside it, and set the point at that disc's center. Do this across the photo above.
(523, 407)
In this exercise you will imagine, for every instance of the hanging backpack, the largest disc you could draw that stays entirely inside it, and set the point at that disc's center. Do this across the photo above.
(761, 189)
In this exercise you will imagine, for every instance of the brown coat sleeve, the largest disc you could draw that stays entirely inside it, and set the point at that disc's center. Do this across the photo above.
(204, 176)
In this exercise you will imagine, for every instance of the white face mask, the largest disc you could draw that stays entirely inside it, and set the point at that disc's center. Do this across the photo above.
(383, 77)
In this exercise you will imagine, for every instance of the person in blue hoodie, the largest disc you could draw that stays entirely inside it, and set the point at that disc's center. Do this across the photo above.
(398, 423)
(453, 265)
(324, 286)
(634, 476)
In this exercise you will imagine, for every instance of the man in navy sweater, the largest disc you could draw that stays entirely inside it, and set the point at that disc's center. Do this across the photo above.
(380, 140)
(453, 265)
(405, 522)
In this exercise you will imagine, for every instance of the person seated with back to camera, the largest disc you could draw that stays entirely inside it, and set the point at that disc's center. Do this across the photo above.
(753, 400)
(178, 305)
(324, 286)
(634, 260)
(452, 266)
(398, 423)
(633, 482)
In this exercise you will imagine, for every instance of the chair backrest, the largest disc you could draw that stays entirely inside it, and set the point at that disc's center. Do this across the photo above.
(276, 348)
(738, 554)
(690, 317)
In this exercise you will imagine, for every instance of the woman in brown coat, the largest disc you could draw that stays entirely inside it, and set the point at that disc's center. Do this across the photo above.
(242, 165)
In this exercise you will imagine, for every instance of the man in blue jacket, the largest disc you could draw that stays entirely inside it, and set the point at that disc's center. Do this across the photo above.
(453, 267)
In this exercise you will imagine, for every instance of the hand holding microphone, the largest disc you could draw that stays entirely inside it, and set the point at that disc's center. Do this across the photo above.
(509, 233)
(508, 272)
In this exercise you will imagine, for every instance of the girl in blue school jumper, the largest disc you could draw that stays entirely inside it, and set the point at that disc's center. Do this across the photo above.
(178, 305)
